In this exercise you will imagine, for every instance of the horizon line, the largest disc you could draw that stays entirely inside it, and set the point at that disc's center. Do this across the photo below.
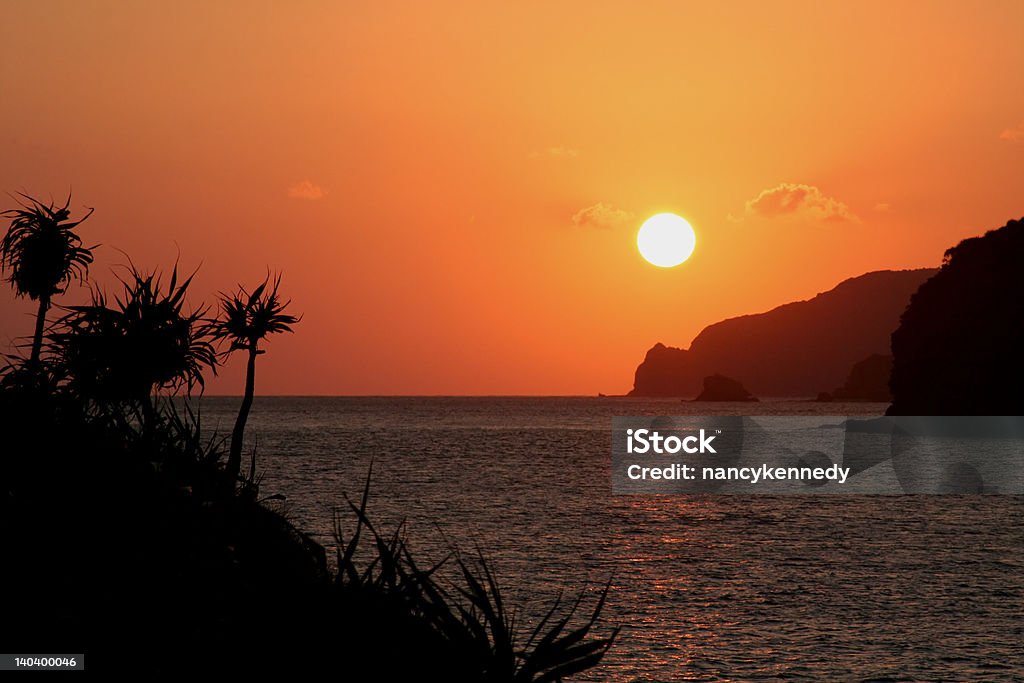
(762, 398)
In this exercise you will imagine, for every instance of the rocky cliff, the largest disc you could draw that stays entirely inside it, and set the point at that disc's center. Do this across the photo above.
(959, 348)
(793, 350)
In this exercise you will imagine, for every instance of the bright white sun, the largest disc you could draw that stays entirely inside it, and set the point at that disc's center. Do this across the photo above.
(666, 240)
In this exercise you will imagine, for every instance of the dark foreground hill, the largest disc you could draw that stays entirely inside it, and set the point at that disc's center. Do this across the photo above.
(129, 544)
(958, 348)
(797, 349)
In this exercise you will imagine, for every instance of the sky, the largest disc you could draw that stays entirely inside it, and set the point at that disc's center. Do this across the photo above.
(452, 190)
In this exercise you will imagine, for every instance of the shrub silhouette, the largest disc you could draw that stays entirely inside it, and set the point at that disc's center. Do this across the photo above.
(44, 254)
(464, 618)
(114, 355)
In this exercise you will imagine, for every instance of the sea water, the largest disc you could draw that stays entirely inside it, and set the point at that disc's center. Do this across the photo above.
(706, 587)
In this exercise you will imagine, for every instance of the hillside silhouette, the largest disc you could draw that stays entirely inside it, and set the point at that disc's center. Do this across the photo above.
(958, 348)
(792, 350)
(142, 544)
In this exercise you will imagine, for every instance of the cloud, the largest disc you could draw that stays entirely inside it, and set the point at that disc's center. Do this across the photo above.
(555, 153)
(305, 190)
(882, 207)
(1013, 134)
(601, 215)
(801, 201)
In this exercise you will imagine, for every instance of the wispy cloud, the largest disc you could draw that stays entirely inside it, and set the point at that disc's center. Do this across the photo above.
(305, 190)
(601, 215)
(1013, 134)
(799, 201)
(555, 153)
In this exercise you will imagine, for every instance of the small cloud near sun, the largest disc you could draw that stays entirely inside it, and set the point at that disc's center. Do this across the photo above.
(1013, 134)
(555, 153)
(882, 207)
(799, 201)
(305, 190)
(601, 215)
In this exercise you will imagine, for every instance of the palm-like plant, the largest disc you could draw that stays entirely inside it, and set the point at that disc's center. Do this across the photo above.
(43, 254)
(245, 320)
(142, 342)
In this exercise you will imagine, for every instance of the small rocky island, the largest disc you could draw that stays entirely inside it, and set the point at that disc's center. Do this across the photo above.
(721, 388)
(868, 381)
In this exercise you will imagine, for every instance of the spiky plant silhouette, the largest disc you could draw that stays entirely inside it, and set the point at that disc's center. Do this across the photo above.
(467, 612)
(247, 319)
(43, 254)
(142, 342)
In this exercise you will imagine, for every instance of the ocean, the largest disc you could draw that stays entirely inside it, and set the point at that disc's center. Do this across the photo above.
(706, 587)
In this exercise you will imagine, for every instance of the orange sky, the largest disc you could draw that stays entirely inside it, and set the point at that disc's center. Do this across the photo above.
(415, 168)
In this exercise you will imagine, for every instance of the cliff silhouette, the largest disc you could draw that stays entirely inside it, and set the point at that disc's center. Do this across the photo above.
(958, 347)
(792, 350)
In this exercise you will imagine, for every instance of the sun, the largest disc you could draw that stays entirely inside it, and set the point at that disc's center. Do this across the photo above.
(666, 240)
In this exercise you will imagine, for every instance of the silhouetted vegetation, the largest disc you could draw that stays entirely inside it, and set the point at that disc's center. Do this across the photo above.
(120, 353)
(957, 350)
(128, 537)
(245, 321)
(470, 620)
(42, 254)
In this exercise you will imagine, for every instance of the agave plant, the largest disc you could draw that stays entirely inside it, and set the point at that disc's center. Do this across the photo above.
(247, 319)
(43, 254)
(142, 342)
